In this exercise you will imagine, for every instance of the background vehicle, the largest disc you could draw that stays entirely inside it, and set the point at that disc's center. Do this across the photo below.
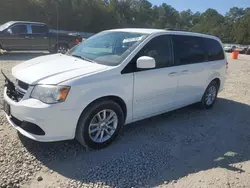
(247, 51)
(113, 78)
(229, 48)
(21, 35)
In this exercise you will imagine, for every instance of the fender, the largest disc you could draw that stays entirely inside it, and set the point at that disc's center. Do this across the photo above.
(213, 76)
(91, 95)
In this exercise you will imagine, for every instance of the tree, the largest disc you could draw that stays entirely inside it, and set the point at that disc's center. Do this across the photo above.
(98, 15)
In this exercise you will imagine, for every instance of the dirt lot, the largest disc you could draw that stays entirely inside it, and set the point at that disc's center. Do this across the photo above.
(185, 148)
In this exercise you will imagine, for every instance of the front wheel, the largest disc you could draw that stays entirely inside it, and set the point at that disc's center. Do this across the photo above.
(61, 48)
(209, 96)
(100, 125)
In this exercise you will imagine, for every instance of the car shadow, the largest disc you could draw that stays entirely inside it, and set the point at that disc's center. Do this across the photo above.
(20, 56)
(159, 149)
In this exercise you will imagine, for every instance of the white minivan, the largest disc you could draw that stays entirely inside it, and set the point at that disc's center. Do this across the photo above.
(111, 79)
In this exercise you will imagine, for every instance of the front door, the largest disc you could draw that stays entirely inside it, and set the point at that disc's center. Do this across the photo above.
(154, 89)
(17, 38)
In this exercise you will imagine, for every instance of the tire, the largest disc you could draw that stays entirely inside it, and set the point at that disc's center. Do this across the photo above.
(248, 51)
(61, 48)
(210, 93)
(89, 120)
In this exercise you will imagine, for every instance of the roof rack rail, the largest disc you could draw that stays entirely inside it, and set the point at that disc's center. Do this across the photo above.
(172, 29)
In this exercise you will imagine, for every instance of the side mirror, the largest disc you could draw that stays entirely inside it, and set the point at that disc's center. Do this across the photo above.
(145, 62)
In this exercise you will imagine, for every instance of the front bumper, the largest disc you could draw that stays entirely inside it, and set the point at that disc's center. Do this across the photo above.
(57, 121)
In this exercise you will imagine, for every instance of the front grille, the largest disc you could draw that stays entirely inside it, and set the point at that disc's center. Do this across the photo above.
(22, 85)
(19, 91)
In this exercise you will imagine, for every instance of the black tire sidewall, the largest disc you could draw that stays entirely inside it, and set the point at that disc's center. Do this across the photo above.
(61, 45)
(203, 102)
(83, 125)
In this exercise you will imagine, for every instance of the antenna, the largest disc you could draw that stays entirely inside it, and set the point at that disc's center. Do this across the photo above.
(57, 24)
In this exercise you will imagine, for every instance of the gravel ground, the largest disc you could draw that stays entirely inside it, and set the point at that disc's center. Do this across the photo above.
(184, 148)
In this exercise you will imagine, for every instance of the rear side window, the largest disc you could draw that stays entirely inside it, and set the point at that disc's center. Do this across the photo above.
(39, 29)
(19, 29)
(214, 49)
(188, 50)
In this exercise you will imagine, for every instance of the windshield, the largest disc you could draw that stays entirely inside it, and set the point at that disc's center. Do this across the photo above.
(108, 47)
(6, 25)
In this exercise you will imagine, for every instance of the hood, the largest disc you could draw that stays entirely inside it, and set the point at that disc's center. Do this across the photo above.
(53, 69)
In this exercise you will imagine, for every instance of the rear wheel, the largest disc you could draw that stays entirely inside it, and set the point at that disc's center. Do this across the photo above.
(100, 125)
(209, 96)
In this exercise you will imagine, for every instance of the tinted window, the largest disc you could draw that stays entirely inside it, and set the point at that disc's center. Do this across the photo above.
(19, 29)
(39, 29)
(158, 48)
(214, 49)
(188, 50)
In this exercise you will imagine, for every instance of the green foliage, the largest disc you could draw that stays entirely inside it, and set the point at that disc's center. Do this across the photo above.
(97, 15)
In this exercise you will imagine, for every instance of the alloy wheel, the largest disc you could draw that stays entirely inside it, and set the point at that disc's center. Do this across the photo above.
(103, 125)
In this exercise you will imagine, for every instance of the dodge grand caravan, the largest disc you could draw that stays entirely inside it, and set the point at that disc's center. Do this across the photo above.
(111, 79)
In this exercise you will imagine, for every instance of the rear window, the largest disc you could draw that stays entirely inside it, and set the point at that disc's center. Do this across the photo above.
(214, 49)
(188, 50)
(39, 29)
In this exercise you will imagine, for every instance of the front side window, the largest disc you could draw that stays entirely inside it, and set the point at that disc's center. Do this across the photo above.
(109, 47)
(160, 49)
(39, 29)
(188, 50)
(19, 29)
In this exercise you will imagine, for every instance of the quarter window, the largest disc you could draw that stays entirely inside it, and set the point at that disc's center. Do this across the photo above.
(188, 50)
(214, 50)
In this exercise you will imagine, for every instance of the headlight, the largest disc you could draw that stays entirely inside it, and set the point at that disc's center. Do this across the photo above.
(50, 93)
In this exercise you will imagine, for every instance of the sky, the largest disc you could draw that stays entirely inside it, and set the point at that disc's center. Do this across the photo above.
(222, 6)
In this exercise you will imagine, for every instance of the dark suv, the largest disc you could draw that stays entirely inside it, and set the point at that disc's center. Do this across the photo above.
(21, 35)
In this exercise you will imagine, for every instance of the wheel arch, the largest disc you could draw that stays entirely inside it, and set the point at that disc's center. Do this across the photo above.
(61, 42)
(214, 77)
(114, 98)
(218, 81)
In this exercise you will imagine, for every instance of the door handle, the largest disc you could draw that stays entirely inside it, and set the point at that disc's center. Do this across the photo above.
(45, 37)
(26, 37)
(172, 74)
(184, 72)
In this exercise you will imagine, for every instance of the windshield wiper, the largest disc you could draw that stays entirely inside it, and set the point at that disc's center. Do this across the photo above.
(84, 58)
